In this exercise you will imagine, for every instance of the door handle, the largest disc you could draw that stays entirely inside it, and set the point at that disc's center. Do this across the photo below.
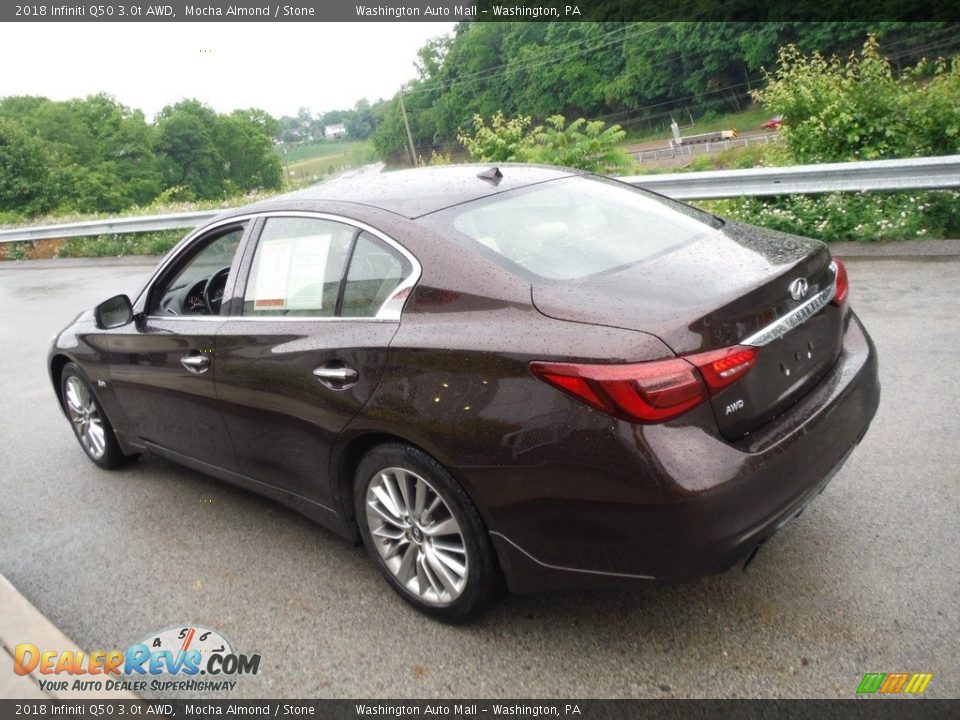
(197, 364)
(337, 377)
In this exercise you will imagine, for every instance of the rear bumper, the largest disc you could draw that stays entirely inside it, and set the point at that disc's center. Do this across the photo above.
(673, 502)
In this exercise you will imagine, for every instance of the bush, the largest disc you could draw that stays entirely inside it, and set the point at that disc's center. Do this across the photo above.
(435, 160)
(584, 144)
(149, 243)
(865, 217)
(503, 141)
(859, 109)
(700, 163)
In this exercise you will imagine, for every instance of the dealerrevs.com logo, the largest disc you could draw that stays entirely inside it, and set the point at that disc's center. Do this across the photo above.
(173, 659)
(899, 683)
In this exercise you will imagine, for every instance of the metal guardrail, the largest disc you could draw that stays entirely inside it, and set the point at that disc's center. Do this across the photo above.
(118, 226)
(936, 173)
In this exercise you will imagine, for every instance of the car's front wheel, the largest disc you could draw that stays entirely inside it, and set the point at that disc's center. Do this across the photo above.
(89, 422)
(424, 533)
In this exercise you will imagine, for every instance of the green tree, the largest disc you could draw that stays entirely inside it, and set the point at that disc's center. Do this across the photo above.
(100, 156)
(291, 130)
(123, 150)
(187, 149)
(100, 153)
(212, 154)
(245, 142)
(390, 139)
(24, 180)
(360, 121)
(636, 74)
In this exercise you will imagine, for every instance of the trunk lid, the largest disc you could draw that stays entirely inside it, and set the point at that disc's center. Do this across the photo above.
(718, 291)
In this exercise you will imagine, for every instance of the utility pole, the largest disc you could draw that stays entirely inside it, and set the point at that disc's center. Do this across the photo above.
(675, 129)
(283, 146)
(403, 111)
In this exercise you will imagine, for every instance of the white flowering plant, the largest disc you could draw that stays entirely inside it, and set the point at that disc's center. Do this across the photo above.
(864, 216)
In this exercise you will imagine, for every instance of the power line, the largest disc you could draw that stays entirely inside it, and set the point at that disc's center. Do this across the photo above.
(487, 74)
(623, 27)
(561, 55)
(459, 82)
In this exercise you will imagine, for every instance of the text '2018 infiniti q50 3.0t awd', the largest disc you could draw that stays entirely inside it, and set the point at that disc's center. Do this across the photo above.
(519, 377)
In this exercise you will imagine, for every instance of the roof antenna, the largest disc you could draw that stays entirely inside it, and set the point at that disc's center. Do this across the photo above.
(492, 176)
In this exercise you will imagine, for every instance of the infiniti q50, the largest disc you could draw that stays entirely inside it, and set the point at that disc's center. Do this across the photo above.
(521, 378)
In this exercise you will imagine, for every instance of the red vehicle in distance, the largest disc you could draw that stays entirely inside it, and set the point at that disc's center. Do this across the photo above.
(773, 123)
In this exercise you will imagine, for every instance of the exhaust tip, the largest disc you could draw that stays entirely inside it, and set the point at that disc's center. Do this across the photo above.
(751, 555)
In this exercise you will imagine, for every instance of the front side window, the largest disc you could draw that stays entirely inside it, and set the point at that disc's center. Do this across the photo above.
(196, 286)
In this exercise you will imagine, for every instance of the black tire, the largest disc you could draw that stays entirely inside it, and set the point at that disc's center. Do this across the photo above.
(482, 580)
(110, 456)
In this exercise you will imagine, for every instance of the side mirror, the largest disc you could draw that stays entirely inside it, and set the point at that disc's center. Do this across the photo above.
(113, 313)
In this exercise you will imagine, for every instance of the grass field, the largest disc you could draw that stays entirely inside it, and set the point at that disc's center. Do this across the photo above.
(310, 163)
(308, 151)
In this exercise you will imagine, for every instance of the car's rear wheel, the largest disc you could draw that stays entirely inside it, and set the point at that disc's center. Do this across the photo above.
(90, 424)
(424, 533)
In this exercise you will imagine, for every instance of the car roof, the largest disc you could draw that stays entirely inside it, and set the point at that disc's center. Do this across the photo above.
(414, 193)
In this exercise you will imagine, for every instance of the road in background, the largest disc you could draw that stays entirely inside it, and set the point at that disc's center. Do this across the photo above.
(864, 581)
(661, 154)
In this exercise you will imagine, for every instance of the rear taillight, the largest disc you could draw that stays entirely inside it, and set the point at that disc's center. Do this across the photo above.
(721, 368)
(649, 392)
(842, 283)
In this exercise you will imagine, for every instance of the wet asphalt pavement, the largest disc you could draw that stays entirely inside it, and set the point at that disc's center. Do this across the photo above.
(866, 580)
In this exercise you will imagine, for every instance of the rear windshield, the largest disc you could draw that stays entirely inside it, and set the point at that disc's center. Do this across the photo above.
(575, 226)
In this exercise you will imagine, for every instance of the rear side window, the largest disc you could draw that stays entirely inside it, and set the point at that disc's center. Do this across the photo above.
(376, 271)
(576, 226)
(297, 268)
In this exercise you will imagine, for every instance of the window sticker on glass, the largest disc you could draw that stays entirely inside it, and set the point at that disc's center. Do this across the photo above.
(270, 292)
(290, 273)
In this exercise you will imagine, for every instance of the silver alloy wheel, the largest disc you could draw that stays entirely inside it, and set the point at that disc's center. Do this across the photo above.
(417, 536)
(85, 417)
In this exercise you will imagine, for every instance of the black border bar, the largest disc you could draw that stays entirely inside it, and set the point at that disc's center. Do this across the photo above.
(479, 10)
(854, 709)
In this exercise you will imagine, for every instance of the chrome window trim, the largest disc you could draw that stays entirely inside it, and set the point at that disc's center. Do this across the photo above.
(796, 317)
(178, 318)
(389, 311)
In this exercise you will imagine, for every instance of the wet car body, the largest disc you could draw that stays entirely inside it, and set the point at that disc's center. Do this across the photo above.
(570, 495)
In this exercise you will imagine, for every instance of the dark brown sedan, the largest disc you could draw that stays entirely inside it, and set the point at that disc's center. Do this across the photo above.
(523, 377)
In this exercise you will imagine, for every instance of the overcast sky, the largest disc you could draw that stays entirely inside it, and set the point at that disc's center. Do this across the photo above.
(279, 67)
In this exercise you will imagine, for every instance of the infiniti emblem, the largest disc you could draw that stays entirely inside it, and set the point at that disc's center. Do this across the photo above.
(798, 288)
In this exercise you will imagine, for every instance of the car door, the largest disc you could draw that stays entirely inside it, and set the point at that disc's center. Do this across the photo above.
(163, 365)
(319, 308)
